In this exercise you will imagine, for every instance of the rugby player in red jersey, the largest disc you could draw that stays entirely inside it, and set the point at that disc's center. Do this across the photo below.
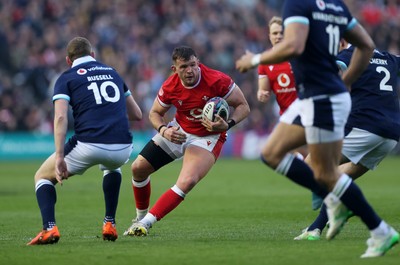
(188, 136)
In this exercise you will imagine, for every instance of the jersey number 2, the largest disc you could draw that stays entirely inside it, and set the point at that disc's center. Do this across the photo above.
(102, 92)
(383, 84)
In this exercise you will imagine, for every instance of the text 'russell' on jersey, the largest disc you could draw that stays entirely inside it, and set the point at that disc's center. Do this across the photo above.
(99, 77)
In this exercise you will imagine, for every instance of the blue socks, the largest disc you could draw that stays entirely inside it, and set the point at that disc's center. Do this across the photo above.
(46, 197)
(111, 186)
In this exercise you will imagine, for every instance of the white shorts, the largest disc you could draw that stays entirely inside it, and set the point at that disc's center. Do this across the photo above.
(366, 148)
(323, 117)
(107, 156)
(213, 143)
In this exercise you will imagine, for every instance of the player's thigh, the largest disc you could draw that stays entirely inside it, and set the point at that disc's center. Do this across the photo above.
(47, 169)
(284, 138)
(197, 162)
(325, 160)
(353, 170)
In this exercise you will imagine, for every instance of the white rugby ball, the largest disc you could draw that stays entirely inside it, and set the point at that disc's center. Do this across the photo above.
(216, 105)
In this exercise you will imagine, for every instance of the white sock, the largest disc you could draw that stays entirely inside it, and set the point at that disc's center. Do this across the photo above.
(341, 185)
(141, 213)
(381, 230)
(149, 219)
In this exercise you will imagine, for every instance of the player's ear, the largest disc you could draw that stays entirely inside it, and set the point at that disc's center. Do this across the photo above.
(173, 68)
(92, 54)
(68, 60)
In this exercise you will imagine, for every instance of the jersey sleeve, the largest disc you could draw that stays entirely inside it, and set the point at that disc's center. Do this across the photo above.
(343, 59)
(262, 70)
(295, 11)
(225, 85)
(61, 90)
(162, 98)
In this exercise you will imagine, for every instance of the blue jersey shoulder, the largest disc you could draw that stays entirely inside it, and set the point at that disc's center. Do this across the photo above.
(327, 22)
(96, 94)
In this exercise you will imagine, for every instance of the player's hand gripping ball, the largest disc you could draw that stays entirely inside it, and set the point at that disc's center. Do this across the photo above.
(216, 105)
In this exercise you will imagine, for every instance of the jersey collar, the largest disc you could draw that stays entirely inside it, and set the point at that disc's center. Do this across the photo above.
(82, 60)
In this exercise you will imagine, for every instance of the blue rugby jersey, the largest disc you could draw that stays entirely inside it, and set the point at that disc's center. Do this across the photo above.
(375, 101)
(315, 70)
(97, 95)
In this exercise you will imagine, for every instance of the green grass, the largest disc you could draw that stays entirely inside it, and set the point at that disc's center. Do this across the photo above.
(241, 213)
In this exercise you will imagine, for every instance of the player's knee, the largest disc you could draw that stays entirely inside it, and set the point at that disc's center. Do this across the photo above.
(41, 174)
(187, 184)
(141, 169)
(269, 159)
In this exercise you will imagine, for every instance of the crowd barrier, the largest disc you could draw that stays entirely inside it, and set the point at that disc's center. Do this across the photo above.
(28, 146)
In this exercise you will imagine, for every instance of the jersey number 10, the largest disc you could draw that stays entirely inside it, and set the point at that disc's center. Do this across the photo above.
(102, 92)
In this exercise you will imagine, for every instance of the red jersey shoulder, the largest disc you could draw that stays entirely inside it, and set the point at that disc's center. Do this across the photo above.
(270, 69)
(171, 82)
(263, 69)
(214, 77)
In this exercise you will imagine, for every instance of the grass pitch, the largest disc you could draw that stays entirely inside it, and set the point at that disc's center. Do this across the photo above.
(241, 213)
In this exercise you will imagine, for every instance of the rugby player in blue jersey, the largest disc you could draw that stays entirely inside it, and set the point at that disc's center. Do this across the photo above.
(313, 29)
(374, 98)
(102, 106)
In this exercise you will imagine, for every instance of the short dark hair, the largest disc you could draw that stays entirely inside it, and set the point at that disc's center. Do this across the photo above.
(78, 47)
(183, 53)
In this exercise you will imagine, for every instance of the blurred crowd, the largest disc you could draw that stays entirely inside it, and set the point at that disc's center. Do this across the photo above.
(136, 37)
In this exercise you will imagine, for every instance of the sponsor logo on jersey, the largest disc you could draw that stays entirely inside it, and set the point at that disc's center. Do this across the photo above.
(180, 102)
(286, 90)
(205, 98)
(81, 71)
(208, 142)
(283, 80)
(101, 68)
(321, 5)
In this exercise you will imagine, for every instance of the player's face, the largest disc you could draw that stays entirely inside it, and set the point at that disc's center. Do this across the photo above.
(275, 33)
(188, 71)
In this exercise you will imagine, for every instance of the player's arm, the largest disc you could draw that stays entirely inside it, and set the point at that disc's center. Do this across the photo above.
(156, 115)
(292, 45)
(60, 133)
(264, 89)
(133, 109)
(239, 104)
(364, 48)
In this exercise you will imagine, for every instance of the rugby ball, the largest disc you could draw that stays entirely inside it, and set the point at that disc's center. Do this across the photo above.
(216, 105)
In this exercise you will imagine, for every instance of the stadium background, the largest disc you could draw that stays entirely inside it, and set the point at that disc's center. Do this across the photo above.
(137, 37)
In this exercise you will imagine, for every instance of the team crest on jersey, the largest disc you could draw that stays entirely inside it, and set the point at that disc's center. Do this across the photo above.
(81, 71)
(283, 80)
(321, 4)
